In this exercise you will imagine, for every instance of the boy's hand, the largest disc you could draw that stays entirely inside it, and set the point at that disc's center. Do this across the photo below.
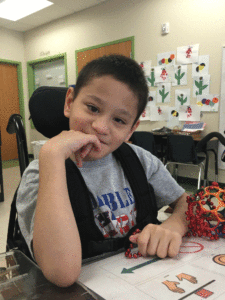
(74, 144)
(157, 240)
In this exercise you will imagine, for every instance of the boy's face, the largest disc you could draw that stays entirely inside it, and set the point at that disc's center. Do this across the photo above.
(106, 108)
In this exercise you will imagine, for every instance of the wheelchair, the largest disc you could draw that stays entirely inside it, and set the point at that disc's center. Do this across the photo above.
(46, 107)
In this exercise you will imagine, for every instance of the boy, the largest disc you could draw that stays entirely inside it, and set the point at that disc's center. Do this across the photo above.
(103, 111)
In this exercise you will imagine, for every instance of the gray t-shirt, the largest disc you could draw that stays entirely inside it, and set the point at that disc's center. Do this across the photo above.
(113, 202)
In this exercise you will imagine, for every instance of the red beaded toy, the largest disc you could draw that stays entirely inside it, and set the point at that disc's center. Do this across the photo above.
(128, 252)
(206, 212)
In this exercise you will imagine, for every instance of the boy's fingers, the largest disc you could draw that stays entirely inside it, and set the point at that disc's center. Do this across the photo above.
(174, 246)
(134, 238)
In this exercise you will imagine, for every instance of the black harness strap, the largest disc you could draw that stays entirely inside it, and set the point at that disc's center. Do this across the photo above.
(93, 242)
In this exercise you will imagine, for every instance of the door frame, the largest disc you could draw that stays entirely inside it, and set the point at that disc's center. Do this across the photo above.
(30, 72)
(131, 38)
(20, 85)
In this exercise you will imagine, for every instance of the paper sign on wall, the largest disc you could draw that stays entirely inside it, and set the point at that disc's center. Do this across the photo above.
(146, 66)
(182, 97)
(158, 113)
(173, 117)
(167, 58)
(201, 67)
(151, 98)
(189, 113)
(180, 75)
(164, 74)
(201, 85)
(145, 116)
(187, 54)
(151, 78)
(163, 92)
(208, 102)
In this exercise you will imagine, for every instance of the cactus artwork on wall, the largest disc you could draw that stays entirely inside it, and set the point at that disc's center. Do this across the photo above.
(180, 75)
(163, 92)
(151, 78)
(201, 85)
(182, 97)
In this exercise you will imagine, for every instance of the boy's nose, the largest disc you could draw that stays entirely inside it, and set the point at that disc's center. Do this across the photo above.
(101, 125)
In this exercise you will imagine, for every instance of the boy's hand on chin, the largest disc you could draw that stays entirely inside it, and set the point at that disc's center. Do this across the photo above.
(73, 144)
(157, 240)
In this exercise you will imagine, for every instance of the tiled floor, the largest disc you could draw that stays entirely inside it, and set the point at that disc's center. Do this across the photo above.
(11, 179)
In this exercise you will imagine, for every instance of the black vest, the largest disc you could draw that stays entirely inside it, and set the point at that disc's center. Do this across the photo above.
(92, 240)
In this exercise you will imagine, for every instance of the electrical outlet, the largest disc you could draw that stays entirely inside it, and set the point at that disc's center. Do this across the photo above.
(165, 28)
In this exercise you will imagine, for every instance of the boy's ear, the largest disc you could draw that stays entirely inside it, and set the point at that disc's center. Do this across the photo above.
(68, 101)
(134, 127)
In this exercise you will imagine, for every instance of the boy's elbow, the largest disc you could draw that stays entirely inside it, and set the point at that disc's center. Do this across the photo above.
(62, 278)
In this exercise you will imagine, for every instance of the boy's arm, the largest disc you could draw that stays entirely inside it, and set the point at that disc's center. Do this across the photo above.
(165, 239)
(56, 241)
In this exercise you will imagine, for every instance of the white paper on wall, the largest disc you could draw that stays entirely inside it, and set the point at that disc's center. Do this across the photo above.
(182, 97)
(208, 102)
(163, 92)
(145, 116)
(167, 58)
(173, 117)
(151, 98)
(180, 75)
(151, 78)
(159, 113)
(187, 54)
(201, 67)
(146, 66)
(164, 74)
(189, 113)
(201, 85)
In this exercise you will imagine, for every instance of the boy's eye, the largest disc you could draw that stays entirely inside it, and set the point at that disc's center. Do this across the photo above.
(92, 108)
(118, 120)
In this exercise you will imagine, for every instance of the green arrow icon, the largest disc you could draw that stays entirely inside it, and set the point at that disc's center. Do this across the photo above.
(125, 271)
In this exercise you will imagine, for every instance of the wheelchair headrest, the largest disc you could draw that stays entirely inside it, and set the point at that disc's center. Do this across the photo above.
(46, 107)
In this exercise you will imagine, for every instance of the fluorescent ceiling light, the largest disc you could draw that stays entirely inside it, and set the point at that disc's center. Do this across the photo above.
(17, 9)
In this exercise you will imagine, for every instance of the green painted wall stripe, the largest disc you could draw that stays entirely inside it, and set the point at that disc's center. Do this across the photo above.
(131, 38)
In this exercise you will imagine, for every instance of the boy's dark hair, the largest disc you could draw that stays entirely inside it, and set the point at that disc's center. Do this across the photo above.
(123, 69)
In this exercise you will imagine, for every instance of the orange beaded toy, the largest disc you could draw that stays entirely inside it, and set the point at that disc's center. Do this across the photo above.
(206, 212)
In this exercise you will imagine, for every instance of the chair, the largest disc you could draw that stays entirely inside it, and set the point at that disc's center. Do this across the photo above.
(15, 125)
(181, 151)
(145, 140)
(50, 106)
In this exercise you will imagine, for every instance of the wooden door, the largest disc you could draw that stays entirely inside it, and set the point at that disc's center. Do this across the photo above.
(83, 57)
(9, 104)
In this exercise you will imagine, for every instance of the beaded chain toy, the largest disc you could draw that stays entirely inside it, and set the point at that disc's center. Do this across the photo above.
(206, 212)
(129, 253)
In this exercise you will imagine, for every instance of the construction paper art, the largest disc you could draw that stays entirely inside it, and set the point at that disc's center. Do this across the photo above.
(151, 98)
(187, 54)
(173, 117)
(158, 113)
(201, 67)
(208, 102)
(164, 74)
(180, 75)
(146, 66)
(182, 97)
(151, 78)
(163, 92)
(145, 116)
(201, 85)
(189, 113)
(167, 58)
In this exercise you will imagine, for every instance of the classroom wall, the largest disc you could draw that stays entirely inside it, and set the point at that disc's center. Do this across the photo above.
(191, 22)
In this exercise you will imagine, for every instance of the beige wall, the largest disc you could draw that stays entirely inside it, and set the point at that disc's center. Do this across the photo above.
(191, 22)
